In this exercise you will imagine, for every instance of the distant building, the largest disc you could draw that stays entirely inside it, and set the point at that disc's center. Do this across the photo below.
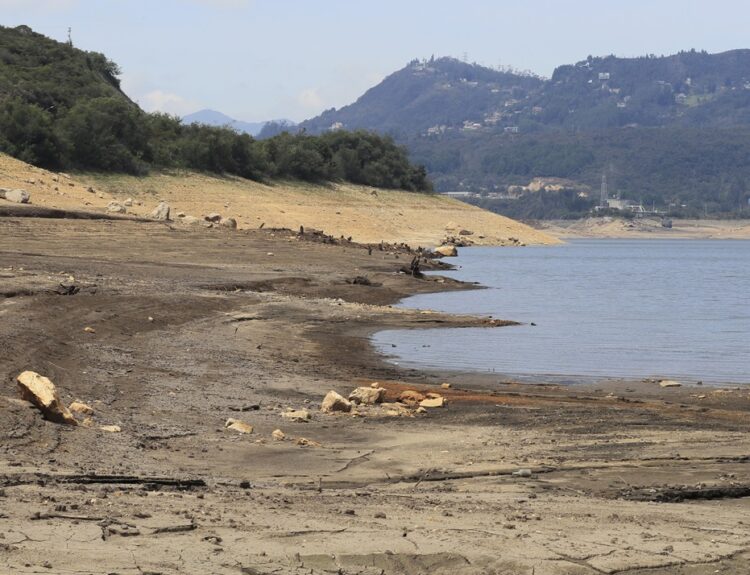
(511, 129)
(604, 76)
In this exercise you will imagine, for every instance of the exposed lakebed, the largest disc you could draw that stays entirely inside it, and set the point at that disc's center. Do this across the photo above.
(677, 309)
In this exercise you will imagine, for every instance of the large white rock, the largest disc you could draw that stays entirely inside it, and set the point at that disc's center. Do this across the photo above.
(40, 391)
(161, 212)
(17, 196)
(335, 402)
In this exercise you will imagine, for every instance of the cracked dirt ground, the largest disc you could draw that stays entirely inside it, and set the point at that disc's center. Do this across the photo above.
(626, 477)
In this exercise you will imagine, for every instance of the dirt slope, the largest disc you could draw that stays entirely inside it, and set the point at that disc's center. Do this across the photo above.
(366, 214)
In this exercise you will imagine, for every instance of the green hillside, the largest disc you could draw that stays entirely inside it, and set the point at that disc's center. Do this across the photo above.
(61, 107)
(670, 131)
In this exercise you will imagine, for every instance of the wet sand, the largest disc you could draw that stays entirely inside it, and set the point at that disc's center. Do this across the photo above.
(622, 477)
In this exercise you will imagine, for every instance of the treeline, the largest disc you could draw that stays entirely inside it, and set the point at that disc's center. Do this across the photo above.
(111, 135)
(62, 108)
(685, 171)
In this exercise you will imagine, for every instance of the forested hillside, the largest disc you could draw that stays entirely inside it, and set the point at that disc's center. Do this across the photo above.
(61, 107)
(669, 131)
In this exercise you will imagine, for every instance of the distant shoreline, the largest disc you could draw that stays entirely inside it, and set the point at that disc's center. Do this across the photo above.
(616, 228)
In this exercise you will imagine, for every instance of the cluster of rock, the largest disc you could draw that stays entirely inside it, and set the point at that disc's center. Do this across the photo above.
(42, 394)
(17, 196)
(361, 399)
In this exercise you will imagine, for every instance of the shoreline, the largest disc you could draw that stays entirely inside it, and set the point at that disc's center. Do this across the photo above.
(644, 228)
(192, 327)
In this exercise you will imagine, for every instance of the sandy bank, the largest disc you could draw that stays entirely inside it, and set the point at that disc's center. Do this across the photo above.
(646, 228)
(366, 214)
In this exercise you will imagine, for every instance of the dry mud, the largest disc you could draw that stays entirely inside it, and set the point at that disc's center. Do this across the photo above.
(195, 326)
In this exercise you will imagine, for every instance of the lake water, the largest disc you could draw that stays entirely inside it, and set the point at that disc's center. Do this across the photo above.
(678, 309)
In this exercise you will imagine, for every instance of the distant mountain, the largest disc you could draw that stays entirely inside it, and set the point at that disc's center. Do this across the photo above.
(214, 118)
(671, 131)
(438, 94)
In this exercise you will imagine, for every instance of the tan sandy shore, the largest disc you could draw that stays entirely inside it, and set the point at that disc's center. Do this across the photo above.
(366, 214)
(646, 228)
(192, 326)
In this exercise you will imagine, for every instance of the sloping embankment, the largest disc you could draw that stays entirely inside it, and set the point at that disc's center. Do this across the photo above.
(366, 214)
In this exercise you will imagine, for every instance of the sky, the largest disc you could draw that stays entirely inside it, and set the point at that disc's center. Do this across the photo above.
(257, 60)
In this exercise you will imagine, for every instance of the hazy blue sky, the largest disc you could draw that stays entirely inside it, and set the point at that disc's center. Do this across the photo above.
(261, 59)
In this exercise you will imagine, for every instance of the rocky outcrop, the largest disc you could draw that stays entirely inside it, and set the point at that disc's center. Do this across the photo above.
(40, 391)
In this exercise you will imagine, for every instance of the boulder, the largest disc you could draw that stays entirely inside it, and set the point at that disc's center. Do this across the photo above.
(239, 426)
(116, 208)
(335, 402)
(17, 196)
(367, 395)
(447, 251)
(297, 415)
(161, 212)
(42, 393)
(80, 407)
(230, 223)
(213, 217)
(410, 397)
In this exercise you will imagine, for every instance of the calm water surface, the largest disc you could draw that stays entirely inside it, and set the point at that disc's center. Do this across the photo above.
(603, 308)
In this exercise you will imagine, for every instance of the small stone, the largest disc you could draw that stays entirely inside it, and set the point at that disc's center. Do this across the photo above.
(230, 223)
(669, 383)
(116, 208)
(111, 428)
(278, 435)
(213, 218)
(304, 442)
(239, 426)
(127, 203)
(89, 329)
(410, 397)
(432, 402)
(80, 407)
(161, 212)
(522, 473)
(297, 415)
(445, 385)
(447, 251)
(380, 515)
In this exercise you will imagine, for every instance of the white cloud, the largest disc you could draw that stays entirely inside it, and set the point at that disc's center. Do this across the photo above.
(161, 101)
(310, 99)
